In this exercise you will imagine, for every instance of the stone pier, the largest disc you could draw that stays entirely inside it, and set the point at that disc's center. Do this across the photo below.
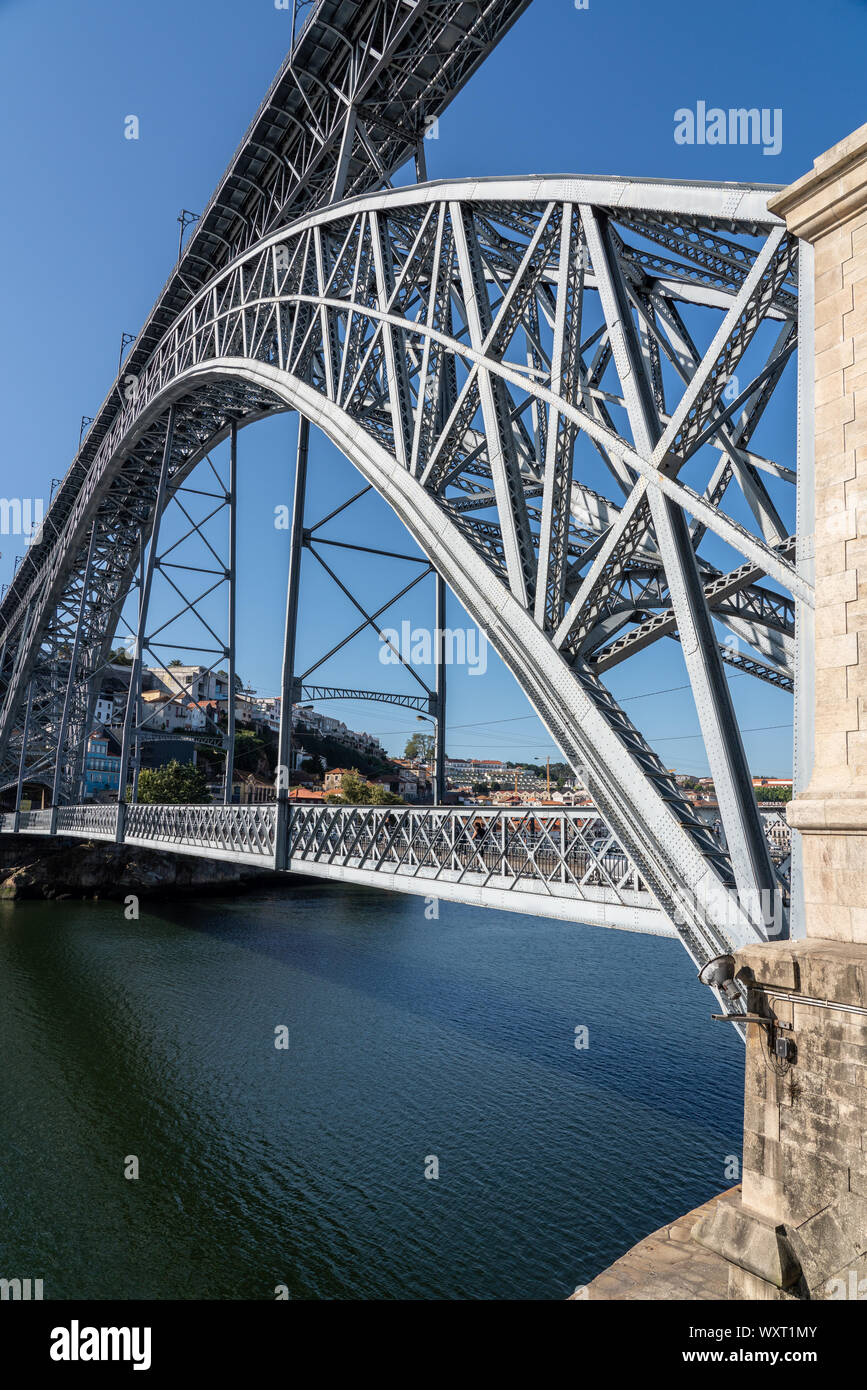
(797, 1226)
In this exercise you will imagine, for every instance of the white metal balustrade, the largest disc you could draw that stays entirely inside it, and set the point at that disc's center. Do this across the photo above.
(554, 863)
(35, 822)
(219, 831)
(97, 822)
(548, 846)
(560, 863)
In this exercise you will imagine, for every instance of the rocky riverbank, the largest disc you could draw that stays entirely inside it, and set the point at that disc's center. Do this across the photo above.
(33, 867)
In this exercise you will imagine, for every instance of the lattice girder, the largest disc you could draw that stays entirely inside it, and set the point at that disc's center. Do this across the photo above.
(462, 344)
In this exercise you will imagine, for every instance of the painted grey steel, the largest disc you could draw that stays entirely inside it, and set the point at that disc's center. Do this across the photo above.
(19, 787)
(290, 631)
(131, 714)
(231, 576)
(440, 696)
(314, 693)
(555, 863)
(393, 323)
(747, 844)
(137, 717)
(73, 667)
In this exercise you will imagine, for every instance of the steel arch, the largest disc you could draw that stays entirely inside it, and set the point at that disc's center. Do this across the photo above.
(389, 322)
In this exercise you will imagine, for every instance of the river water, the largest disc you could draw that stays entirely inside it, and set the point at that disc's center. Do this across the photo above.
(303, 1167)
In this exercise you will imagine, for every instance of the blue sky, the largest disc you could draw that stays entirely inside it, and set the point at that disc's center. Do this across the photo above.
(90, 234)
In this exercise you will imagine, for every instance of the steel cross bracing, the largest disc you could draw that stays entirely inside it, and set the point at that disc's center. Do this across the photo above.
(487, 354)
(432, 703)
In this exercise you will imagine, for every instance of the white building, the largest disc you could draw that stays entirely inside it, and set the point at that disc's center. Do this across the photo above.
(258, 709)
(112, 698)
(196, 683)
(306, 717)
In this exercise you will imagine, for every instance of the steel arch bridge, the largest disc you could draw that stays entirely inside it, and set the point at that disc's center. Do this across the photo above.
(555, 384)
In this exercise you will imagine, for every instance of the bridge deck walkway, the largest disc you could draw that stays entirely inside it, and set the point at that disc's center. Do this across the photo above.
(558, 864)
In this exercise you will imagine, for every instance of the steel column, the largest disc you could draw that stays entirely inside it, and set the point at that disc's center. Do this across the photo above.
(20, 786)
(748, 846)
(133, 695)
(440, 726)
(232, 574)
(136, 762)
(73, 664)
(287, 683)
(342, 169)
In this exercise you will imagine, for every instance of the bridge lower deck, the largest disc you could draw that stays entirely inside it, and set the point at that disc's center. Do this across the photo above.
(560, 864)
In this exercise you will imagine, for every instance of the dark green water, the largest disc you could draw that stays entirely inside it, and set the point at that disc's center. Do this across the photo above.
(305, 1167)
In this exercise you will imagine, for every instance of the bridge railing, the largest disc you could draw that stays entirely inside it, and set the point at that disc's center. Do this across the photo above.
(504, 848)
(98, 821)
(230, 830)
(567, 852)
(34, 822)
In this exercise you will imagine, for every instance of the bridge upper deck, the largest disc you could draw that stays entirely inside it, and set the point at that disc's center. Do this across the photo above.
(397, 62)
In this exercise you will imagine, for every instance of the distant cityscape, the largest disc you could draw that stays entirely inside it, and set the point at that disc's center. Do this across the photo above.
(183, 719)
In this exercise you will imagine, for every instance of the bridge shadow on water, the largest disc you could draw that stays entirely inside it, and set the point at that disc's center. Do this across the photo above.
(624, 986)
(408, 1037)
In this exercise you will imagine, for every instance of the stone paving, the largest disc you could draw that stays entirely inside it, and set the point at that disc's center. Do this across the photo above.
(667, 1265)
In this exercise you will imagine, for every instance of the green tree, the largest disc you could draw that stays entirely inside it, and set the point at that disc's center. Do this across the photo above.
(175, 784)
(419, 745)
(355, 791)
(381, 796)
(773, 793)
(249, 748)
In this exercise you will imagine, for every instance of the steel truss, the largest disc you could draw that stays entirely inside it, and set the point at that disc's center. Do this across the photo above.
(350, 105)
(474, 348)
(421, 703)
